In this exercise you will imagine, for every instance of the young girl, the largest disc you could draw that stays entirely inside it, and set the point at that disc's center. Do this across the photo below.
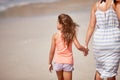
(61, 47)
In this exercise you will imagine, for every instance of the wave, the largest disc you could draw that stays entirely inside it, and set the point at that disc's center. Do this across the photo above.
(5, 4)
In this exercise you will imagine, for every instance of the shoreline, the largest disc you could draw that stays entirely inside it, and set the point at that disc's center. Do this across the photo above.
(42, 9)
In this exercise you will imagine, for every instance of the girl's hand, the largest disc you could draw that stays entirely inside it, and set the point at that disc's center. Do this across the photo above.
(50, 67)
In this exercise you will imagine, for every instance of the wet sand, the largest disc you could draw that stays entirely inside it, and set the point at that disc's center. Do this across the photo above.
(25, 38)
(47, 8)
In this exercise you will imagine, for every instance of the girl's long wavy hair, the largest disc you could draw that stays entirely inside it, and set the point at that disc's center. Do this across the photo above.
(68, 28)
(105, 1)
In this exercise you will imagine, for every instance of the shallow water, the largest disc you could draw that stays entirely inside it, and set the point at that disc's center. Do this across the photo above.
(5, 4)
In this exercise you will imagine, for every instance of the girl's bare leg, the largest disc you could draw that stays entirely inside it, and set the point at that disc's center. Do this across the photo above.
(67, 75)
(60, 75)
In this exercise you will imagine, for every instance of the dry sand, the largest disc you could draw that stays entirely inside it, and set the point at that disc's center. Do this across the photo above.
(25, 37)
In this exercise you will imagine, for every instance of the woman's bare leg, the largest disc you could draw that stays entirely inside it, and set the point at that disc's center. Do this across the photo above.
(97, 76)
(112, 78)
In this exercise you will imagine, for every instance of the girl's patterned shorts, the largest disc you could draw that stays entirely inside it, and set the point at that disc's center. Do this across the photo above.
(63, 67)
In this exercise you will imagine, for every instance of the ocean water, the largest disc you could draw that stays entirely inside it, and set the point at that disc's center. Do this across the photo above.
(5, 4)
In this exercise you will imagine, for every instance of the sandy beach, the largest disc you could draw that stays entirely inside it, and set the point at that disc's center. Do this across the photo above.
(25, 39)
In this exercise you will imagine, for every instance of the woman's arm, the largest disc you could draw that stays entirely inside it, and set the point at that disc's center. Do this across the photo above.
(91, 26)
(118, 9)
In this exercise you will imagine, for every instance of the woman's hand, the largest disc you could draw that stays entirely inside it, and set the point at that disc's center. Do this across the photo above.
(86, 50)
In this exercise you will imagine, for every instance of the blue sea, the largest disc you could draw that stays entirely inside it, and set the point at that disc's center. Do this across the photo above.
(5, 4)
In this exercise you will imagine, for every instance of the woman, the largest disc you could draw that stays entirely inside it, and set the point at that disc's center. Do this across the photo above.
(105, 21)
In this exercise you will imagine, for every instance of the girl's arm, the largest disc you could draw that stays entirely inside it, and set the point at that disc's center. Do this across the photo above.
(51, 53)
(91, 26)
(79, 46)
